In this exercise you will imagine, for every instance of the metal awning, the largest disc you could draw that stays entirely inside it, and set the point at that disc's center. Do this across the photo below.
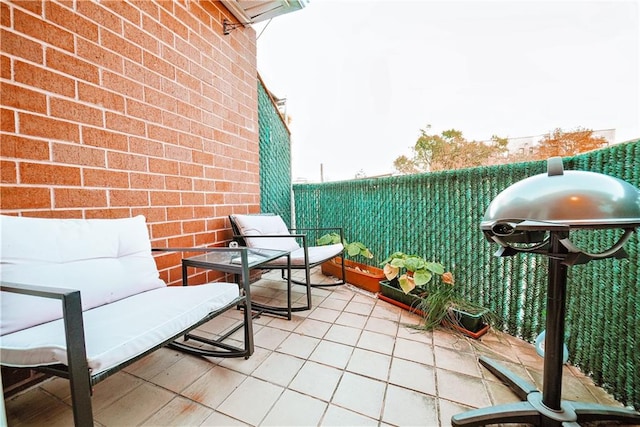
(252, 11)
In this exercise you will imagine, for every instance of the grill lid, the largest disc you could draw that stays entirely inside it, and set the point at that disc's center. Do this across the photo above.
(561, 200)
(558, 201)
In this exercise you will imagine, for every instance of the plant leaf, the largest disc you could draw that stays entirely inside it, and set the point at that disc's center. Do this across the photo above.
(328, 239)
(397, 262)
(390, 271)
(407, 284)
(353, 249)
(393, 257)
(366, 253)
(414, 263)
(422, 277)
(435, 267)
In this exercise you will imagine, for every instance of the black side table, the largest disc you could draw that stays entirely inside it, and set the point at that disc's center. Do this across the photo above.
(238, 261)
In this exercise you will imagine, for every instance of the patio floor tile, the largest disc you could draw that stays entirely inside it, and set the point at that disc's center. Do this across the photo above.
(370, 364)
(332, 354)
(295, 409)
(214, 386)
(182, 373)
(313, 328)
(278, 369)
(414, 350)
(317, 380)
(38, 408)
(298, 345)
(251, 401)
(461, 388)
(135, 407)
(412, 375)
(343, 334)
(270, 338)
(360, 394)
(337, 416)
(405, 407)
(457, 361)
(180, 412)
(378, 342)
(324, 314)
(352, 360)
(219, 419)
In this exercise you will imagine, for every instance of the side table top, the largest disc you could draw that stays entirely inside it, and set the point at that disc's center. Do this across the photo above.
(232, 257)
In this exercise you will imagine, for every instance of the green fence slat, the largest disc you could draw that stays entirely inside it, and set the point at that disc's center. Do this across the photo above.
(275, 159)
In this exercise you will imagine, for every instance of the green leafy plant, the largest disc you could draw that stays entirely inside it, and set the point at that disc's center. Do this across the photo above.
(412, 271)
(415, 275)
(352, 249)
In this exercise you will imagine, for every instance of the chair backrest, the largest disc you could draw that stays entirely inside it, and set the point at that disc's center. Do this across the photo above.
(258, 225)
(106, 259)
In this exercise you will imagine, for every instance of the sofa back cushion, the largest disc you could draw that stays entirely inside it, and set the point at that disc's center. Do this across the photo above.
(256, 225)
(106, 259)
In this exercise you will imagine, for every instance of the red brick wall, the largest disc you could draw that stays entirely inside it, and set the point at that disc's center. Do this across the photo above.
(115, 109)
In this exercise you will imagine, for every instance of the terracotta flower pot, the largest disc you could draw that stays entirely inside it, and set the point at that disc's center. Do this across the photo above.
(361, 275)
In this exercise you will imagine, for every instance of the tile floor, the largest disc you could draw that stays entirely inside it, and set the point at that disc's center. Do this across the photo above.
(349, 361)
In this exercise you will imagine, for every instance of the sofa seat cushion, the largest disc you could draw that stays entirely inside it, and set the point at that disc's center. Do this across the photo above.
(105, 259)
(121, 330)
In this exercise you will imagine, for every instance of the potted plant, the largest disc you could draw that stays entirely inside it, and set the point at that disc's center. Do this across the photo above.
(406, 277)
(358, 274)
(410, 281)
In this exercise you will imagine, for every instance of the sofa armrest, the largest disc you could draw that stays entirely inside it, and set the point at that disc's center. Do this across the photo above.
(78, 368)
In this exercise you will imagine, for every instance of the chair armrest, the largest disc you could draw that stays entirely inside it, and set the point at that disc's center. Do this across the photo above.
(257, 236)
(35, 290)
(316, 229)
(78, 367)
(322, 229)
(288, 236)
(71, 310)
(302, 236)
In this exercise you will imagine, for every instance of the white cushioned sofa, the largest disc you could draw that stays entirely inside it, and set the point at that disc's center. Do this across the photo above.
(83, 298)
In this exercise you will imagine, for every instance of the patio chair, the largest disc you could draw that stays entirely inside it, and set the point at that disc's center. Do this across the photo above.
(269, 231)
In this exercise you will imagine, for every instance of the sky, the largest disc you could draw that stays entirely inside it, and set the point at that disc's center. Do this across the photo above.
(363, 77)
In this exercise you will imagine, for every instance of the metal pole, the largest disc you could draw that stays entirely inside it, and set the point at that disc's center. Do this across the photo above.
(553, 345)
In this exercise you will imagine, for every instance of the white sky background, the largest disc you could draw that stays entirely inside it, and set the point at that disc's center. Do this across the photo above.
(362, 77)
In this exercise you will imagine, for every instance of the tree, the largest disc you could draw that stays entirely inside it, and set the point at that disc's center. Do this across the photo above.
(449, 150)
(560, 143)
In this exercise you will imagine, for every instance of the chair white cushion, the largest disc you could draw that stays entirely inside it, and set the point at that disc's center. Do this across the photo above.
(317, 254)
(119, 331)
(256, 225)
(106, 260)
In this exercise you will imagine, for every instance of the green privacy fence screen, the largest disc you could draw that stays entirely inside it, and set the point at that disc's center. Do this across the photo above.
(275, 158)
(437, 215)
